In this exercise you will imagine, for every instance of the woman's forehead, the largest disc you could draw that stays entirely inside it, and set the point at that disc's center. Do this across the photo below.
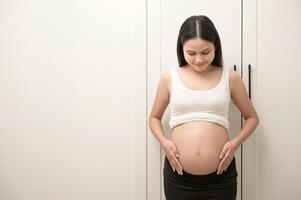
(197, 44)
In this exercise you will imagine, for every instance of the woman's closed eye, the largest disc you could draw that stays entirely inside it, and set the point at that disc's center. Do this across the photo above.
(194, 53)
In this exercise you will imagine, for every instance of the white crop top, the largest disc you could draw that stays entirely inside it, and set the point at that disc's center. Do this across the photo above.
(210, 105)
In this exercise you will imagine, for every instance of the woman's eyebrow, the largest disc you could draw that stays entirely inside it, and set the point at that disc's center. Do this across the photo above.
(193, 51)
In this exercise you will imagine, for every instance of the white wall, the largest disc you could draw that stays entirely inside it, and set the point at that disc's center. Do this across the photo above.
(279, 97)
(72, 100)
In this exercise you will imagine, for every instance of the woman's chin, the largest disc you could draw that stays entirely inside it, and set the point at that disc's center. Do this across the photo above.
(201, 68)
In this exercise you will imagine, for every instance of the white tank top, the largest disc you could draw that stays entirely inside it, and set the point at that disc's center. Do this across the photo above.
(210, 105)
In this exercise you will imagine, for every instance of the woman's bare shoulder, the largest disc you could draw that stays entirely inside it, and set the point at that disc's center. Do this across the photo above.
(235, 81)
(166, 78)
(233, 75)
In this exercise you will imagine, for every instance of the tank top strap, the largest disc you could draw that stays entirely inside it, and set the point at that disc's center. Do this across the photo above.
(226, 75)
(172, 72)
(174, 77)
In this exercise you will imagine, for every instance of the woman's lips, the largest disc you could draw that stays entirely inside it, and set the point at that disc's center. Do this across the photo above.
(200, 65)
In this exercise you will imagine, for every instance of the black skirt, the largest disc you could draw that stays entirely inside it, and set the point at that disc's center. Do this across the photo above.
(200, 187)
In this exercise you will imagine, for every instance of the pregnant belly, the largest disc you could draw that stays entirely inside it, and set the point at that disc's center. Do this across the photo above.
(199, 144)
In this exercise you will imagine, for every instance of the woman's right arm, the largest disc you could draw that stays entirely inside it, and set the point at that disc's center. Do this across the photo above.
(160, 103)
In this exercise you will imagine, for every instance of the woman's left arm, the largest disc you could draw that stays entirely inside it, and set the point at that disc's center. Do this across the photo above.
(241, 99)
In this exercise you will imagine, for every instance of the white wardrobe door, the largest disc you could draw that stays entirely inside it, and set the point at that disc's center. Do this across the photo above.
(164, 31)
(279, 98)
(72, 100)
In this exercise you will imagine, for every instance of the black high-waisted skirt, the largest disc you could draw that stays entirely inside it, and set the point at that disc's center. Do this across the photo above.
(200, 187)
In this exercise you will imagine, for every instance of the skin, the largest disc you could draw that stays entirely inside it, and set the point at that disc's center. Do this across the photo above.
(199, 55)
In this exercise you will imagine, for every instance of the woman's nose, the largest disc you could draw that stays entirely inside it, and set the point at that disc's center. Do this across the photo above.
(199, 59)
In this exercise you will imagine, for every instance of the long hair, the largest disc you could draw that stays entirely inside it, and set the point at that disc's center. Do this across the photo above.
(202, 27)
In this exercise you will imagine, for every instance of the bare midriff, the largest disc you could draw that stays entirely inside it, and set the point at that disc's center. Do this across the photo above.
(199, 144)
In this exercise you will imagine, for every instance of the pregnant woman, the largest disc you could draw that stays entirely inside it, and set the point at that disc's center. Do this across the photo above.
(199, 162)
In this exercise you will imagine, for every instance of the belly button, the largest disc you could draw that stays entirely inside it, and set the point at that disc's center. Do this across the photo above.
(198, 153)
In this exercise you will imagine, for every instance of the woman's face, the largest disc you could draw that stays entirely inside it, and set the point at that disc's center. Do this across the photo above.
(199, 53)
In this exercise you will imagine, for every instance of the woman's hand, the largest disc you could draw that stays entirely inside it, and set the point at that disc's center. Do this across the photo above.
(227, 155)
(172, 155)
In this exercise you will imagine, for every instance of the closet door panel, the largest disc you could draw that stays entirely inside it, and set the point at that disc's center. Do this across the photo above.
(227, 18)
(279, 97)
(249, 76)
